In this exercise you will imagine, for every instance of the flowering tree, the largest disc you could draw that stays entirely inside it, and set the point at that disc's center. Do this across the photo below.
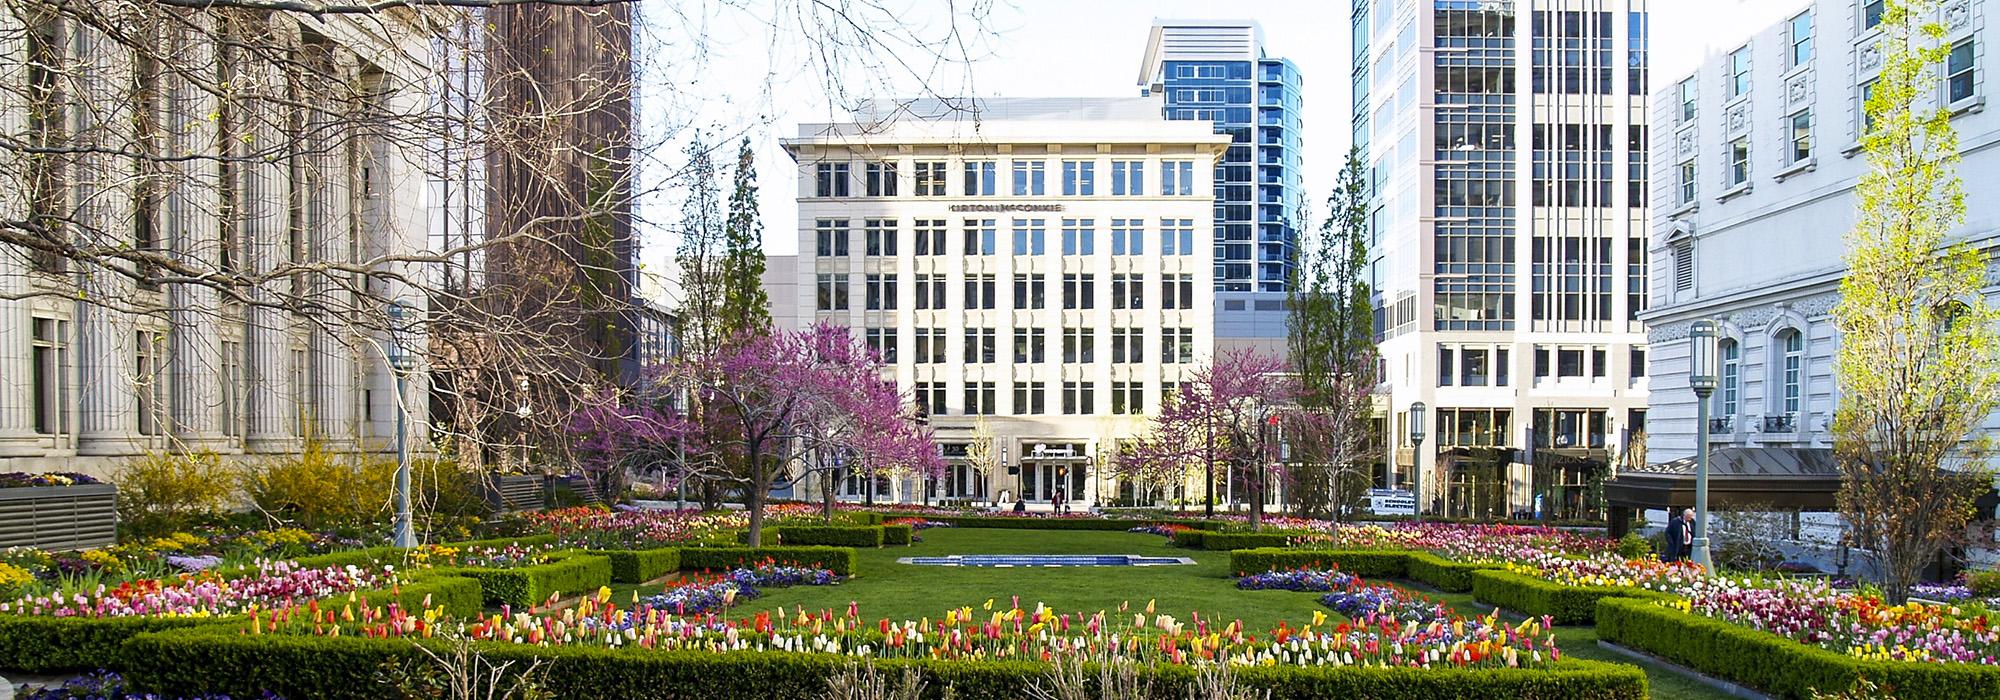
(612, 439)
(1227, 414)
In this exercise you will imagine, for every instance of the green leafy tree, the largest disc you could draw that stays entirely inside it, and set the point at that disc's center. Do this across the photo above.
(1332, 350)
(700, 254)
(745, 306)
(1918, 357)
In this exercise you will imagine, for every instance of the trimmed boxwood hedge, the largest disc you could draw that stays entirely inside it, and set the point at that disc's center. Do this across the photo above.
(570, 573)
(1776, 665)
(1004, 522)
(898, 534)
(1527, 595)
(1190, 539)
(642, 565)
(1444, 574)
(209, 660)
(1224, 541)
(840, 560)
(1363, 563)
(829, 535)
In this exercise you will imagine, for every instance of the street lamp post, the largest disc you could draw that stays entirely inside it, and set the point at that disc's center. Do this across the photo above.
(1701, 378)
(1417, 460)
(400, 363)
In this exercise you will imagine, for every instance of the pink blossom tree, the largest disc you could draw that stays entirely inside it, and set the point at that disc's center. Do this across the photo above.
(616, 436)
(1228, 414)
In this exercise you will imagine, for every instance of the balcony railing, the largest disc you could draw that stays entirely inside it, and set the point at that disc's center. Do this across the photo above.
(1722, 426)
(1786, 423)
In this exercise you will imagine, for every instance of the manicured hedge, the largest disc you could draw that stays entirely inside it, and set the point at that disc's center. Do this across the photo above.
(1054, 523)
(1363, 563)
(1190, 539)
(898, 534)
(1224, 541)
(829, 535)
(571, 573)
(840, 560)
(862, 517)
(208, 660)
(1527, 595)
(1775, 665)
(642, 565)
(1443, 574)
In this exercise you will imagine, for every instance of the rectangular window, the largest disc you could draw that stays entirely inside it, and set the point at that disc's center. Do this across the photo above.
(831, 238)
(1473, 369)
(1738, 158)
(1176, 345)
(930, 178)
(231, 380)
(1867, 91)
(1569, 362)
(1800, 30)
(1128, 291)
(981, 348)
(980, 176)
(1028, 292)
(1598, 361)
(980, 235)
(930, 236)
(1739, 73)
(1030, 178)
(1078, 236)
(882, 341)
(1028, 399)
(930, 396)
(1445, 372)
(1959, 72)
(1637, 356)
(1683, 253)
(1079, 178)
(1128, 398)
(1685, 192)
(1078, 399)
(1128, 178)
(930, 346)
(1128, 236)
(1176, 237)
(49, 357)
(1801, 137)
(881, 236)
(1127, 345)
(1871, 13)
(881, 292)
(979, 292)
(1079, 346)
(832, 292)
(881, 179)
(1080, 291)
(1177, 291)
(832, 180)
(1503, 366)
(1030, 236)
(1541, 362)
(1687, 100)
(1028, 346)
(1177, 178)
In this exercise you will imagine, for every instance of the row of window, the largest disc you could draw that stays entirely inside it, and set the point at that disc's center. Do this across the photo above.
(1079, 291)
(980, 178)
(982, 398)
(1787, 366)
(834, 238)
(1476, 366)
(1078, 345)
(1551, 427)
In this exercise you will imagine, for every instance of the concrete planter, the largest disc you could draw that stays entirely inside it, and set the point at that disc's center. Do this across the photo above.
(59, 517)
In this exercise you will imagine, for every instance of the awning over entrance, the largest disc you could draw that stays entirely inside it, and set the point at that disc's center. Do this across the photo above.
(1777, 478)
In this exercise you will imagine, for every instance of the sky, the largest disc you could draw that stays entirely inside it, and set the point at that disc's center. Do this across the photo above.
(737, 68)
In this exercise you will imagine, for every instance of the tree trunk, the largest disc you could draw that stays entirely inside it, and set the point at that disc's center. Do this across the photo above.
(828, 485)
(754, 499)
(1257, 500)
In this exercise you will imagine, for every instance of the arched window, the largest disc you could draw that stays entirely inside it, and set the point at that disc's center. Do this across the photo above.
(1791, 371)
(1731, 393)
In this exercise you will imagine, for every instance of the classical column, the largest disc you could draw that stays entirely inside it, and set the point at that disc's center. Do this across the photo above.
(266, 191)
(108, 405)
(17, 436)
(331, 228)
(191, 229)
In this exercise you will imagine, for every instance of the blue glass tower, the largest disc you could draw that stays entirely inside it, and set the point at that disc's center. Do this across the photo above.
(1216, 70)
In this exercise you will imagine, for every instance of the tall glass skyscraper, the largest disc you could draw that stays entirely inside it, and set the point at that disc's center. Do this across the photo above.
(1216, 70)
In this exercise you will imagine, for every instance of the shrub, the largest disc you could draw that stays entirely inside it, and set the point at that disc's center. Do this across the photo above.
(1632, 546)
(829, 535)
(319, 487)
(446, 492)
(40, 644)
(1191, 539)
(1223, 541)
(642, 565)
(1015, 522)
(523, 587)
(161, 492)
(1363, 563)
(1984, 584)
(898, 534)
(1568, 605)
(1443, 574)
(839, 560)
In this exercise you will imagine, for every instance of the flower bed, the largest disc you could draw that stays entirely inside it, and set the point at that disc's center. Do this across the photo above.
(17, 480)
(206, 595)
(698, 596)
(1853, 623)
(1296, 580)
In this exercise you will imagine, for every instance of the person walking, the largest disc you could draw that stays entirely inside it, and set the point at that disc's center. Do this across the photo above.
(1676, 533)
(1687, 534)
(1061, 501)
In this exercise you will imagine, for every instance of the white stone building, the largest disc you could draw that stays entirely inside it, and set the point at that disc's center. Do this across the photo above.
(1041, 267)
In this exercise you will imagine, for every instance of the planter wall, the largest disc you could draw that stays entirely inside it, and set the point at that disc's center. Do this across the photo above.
(515, 491)
(59, 517)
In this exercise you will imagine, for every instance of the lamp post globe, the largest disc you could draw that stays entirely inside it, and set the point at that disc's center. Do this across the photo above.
(1702, 353)
(1417, 459)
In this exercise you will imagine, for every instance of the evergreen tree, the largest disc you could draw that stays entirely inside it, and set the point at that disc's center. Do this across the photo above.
(1332, 349)
(700, 254)
(745, 306)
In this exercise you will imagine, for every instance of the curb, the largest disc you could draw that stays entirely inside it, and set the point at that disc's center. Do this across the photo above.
(1722, 686)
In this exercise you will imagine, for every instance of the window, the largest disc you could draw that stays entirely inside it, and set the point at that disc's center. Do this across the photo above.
(1077, 398)
(980, 176)
(1738, 158)
(832, 292)
(1637, 357)
(1445, 371)
(1030, 178)
(1176, 237)
(1683, 252)
(980, 235)
(1871, 13)
(1791, 371)
(1959, 72)
(880, 235)
(930, 291)
(231, 381)
(1128, 178)
(50, 355)
(881, 292)
(1080, 291)
(831, 236)
(1030, 236)
(930, 236)
(1800, 30)
(1079, 346)
(1801, 138)
(1569, 362)
(930, 396)
(298, 390)
(1177, 178)
(1687, 189)
(1128, 291)
(1503, 363)
(1177, 345)
(1078, 236)
(1687, 100)
(1473, 367)
(1177, 291)
(1541, 362)
(1731, 376)
(1028, 346)
(883, 342)
(1599, 363)
(881, 179)
(930, 346)
(1739, 73)
(1127, 345)
(1028, 292)
(1867, 90)
(1079, 178)
(979, 292)
(1128, 398)
(980, 346)
(930, 178)
(1028, 399)
(832, 180)
(1128, 236)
